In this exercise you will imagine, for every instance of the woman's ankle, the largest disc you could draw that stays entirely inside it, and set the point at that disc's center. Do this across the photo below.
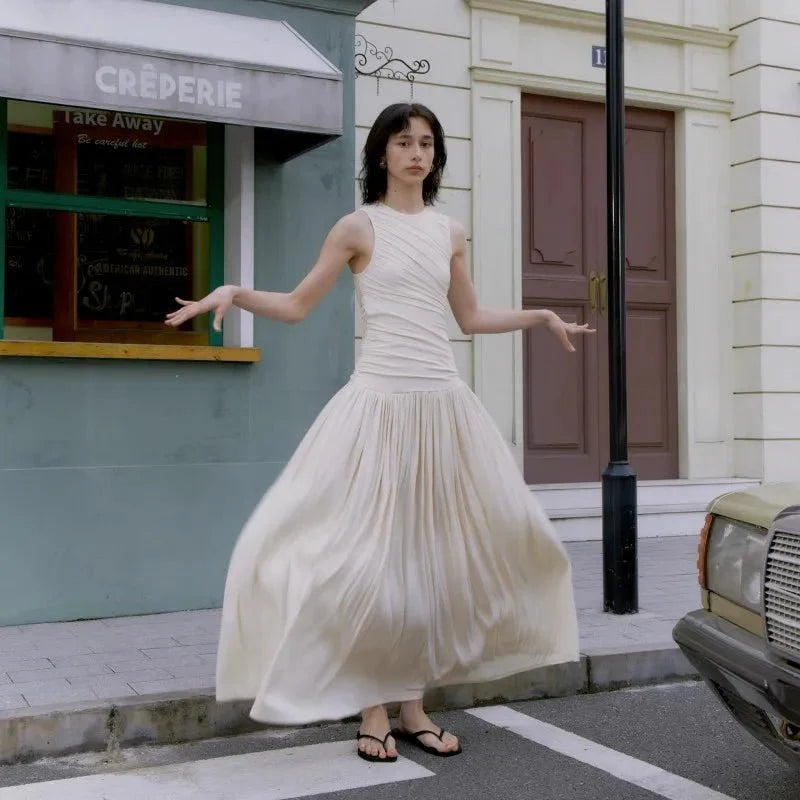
(373, 711)
(412, 709)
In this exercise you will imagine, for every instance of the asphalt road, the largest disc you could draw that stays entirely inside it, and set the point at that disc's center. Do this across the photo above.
(664, 742)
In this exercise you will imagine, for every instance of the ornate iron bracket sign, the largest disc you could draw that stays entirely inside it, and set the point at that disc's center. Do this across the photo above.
(370, 61)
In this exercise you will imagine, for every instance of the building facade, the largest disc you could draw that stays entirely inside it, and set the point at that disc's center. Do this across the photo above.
(131, 455)
(712, 367)
(159, 149)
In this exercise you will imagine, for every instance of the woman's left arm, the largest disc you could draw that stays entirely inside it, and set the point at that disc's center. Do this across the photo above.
(473, 319)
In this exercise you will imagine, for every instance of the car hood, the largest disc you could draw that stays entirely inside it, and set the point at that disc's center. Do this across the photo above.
(759, 505)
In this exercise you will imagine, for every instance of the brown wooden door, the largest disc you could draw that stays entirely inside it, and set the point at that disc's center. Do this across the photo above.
(564, 268)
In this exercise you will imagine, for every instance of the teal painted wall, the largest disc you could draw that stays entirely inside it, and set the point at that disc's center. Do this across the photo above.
(123, 485)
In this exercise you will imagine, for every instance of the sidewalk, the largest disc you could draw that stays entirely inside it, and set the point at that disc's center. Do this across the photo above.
(68, 665)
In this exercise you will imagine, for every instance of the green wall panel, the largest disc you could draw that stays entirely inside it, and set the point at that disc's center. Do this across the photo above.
(122, 540)
(124, 484)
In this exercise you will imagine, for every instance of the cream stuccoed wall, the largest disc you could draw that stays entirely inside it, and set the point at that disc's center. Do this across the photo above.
(710, 14)
(677, 57)
(484, 55)
(439, 32)
(765, 68)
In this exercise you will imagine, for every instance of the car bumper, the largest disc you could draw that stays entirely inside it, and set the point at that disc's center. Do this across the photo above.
(755, 685)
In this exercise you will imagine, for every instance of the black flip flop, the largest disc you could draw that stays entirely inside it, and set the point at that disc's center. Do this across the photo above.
(413, 738)
(387, 759)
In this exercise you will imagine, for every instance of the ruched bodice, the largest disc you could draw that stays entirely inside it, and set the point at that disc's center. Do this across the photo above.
(403, 297)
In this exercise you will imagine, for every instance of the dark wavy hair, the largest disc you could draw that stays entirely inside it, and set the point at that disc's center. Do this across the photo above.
(394, 119)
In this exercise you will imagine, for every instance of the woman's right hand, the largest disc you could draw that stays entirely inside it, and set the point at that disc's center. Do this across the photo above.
(218, 302)
(563, 330)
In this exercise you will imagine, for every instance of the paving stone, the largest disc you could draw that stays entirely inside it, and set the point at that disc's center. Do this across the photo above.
(113, 691)
(51, 686)
(102, 684)
(140, 672)
(71, 695)
(204, 638)
(87, 627)
(120, 678)
(10, 689)
(18, 646)
(22, 662)
(132, 665)
(97, 658)
(195, 649)
(174, 685)
(45, 649)
(38, 675)
(11, 702)
(173, 616)
(46, 631)
(121, 641)
(176, 659)
(194, 671)
(152, 631)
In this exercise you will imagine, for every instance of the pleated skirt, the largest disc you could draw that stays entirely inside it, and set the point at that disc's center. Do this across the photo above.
(399, 550)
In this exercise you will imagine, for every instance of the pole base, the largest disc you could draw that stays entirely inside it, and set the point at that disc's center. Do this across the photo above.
(620, 570)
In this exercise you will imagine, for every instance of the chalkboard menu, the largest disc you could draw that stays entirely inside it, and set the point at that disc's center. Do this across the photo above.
(131, 268)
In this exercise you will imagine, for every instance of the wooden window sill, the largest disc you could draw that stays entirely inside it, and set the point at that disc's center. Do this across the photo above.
(134, 352)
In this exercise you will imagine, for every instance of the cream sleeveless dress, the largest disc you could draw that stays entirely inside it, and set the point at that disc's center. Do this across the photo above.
(400, 548)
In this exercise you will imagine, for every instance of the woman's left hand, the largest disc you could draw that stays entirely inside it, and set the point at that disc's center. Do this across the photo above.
(219, 302)
(563, 330)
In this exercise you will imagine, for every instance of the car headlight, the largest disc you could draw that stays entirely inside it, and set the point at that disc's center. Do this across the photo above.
(735, 562)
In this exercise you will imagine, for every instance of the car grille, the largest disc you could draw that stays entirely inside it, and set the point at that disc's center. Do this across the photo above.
(782, 592)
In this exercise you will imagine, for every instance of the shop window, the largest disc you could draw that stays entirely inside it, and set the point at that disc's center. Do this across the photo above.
(108, 216)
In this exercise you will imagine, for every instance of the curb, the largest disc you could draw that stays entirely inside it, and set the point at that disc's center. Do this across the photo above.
(195, 715)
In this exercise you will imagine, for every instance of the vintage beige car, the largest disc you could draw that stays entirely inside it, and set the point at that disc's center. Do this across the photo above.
(745, 641)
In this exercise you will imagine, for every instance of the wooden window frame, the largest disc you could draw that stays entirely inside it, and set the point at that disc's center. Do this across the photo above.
(211, 212)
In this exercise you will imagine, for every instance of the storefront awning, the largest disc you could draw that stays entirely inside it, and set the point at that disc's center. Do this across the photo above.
(157, 58)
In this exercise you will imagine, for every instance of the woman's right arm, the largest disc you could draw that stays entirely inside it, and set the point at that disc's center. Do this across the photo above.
(349, 238)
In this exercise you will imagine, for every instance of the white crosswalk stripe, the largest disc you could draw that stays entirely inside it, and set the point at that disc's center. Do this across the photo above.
(272, 775)
(622, 766)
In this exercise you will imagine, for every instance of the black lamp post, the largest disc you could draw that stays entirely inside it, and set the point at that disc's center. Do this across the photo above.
(620, 590)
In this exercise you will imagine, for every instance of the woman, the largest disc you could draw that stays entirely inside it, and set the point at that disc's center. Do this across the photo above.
(400, 548)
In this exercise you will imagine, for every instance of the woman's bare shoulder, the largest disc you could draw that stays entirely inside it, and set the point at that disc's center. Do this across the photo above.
(458, 235)
(356, 223)
(354, 230)
(456, 227)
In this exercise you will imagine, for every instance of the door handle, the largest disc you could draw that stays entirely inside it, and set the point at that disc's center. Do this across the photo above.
(603, 281)
(592, 291)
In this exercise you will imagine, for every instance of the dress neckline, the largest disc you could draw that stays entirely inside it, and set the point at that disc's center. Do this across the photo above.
(403, 213)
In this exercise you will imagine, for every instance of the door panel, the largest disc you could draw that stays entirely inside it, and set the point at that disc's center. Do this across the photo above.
(556, 221)
(645, 195)
(650, 289)
(648, 343)
(560, 408)
(559, 244)
(564, 242)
